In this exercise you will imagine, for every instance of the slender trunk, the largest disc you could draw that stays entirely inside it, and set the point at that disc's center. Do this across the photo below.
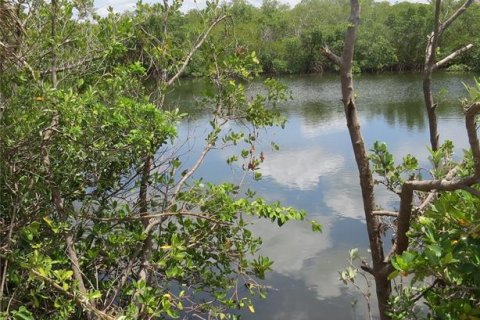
(383, 285)
(143, 208)
(54, 44)
(143, 273)
(60, 208)
(430, 54)
(431, 110)
(430, 65)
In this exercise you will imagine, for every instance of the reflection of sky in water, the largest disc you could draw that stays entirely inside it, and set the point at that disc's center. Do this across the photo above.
(300, 169)
(315, 171)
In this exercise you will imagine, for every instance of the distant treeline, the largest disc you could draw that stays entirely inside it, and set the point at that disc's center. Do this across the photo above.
(392, 37)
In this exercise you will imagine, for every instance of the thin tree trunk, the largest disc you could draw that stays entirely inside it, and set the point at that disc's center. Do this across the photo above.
(382, 284)
(60, 208)
(430, 53)
(143, 273)
(430, 65)
(54, 44)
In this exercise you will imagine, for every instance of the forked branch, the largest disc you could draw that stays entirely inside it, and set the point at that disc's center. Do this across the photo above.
(408, 188)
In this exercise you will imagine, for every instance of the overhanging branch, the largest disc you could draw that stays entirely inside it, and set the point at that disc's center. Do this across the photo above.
(452, 56)
(331, 56)
(454, 16)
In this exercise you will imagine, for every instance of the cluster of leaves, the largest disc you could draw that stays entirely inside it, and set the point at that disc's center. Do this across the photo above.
(96, 220)
(392, 176)
(441, 264)
(444, 261)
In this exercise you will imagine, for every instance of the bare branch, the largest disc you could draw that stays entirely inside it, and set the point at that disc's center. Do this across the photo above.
(432, 195)
(71, 66)
(454, 16)
(190, 172)
(385, 213)
(331, 56)
(58, 201)
(452, 56)
(197, 46)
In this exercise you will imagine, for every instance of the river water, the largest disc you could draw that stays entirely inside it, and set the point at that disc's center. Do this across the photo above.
(314, 170)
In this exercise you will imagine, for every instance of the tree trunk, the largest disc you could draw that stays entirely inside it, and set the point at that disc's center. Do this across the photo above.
(431, 112)
(54, 44)
(430, 65)
(382, 284)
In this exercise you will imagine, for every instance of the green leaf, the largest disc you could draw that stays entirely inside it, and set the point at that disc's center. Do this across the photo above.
(316, 227)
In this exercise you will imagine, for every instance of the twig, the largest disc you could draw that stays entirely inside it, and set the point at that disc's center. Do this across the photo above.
(81, 300)
(452, 56)
(385, 213)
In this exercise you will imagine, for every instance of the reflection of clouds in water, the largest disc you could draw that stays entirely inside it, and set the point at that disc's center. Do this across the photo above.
(347, 203)
(292, 244)
(314, 130)
(301, 169)
(301, 254)
(344, 196)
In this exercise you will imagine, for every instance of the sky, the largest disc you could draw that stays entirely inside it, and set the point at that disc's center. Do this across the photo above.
(122, 5)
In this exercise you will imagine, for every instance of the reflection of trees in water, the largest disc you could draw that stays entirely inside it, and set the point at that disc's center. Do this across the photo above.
(395, 97)
(189, 99)
(316, 112)
(409, 114)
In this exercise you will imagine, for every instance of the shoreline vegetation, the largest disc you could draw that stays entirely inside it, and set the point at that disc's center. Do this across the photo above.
(391, 37)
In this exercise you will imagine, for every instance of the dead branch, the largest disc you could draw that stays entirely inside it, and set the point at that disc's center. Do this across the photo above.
(331, 56)
(452, 56)
(385, 213)
(443, 26)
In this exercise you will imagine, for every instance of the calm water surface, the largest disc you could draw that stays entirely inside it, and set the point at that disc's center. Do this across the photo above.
(315, 171)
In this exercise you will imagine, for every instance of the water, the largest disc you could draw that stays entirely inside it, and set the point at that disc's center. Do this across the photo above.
(315, 171)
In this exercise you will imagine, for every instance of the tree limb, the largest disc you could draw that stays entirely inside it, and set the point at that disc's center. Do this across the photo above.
(58, 201)
(81, 300)
(452, 56)
(406, 195)
(473, 191)
(385, 213)
(197, 46)
(331, 56)
(443, 26)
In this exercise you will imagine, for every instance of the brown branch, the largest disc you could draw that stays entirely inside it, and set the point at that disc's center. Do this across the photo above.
(430, 56)
(454, 16)
(406, 195)
(5, 264)
(331, 56)
(473, 191)
(154, 216)
(58, 201)
(70, 66)
(432, 195)
(81, 300)
(452, 56)
(382, 284)
(54, 43)
(190, 172)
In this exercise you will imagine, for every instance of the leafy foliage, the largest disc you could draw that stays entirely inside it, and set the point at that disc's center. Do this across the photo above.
(444, 260)
(99, 218)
